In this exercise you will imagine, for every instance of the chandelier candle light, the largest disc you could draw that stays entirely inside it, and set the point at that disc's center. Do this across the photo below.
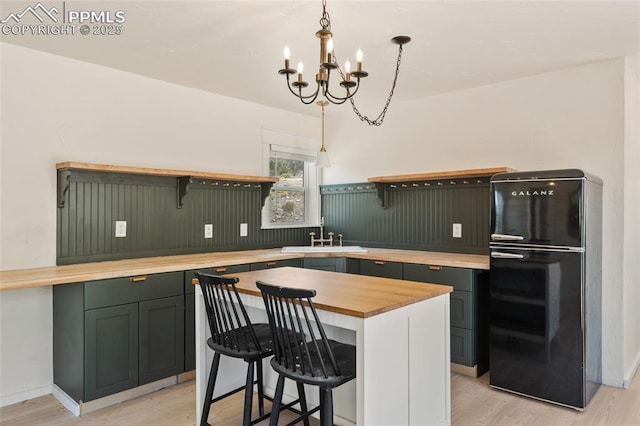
(328, 63)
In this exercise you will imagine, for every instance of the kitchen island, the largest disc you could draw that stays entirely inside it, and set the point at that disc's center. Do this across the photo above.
(401, 332)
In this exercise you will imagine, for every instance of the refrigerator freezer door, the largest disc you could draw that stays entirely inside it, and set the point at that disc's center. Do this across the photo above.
(543, 212)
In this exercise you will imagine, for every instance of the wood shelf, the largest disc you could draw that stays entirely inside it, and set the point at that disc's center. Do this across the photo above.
(183, 177)
(383, 182)
(455, 174)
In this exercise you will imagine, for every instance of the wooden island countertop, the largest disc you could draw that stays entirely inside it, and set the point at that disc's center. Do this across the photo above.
(359, 296)
(53, 275)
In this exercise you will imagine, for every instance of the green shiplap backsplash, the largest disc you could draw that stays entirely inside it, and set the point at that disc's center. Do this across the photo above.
(417, 215)
(155, 226)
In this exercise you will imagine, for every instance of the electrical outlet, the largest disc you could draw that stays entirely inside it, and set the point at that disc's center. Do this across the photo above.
(208, 230)
(243, 230)
(457, 230)
(121, 228)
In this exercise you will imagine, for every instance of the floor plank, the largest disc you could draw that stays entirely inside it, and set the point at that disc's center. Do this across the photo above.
(473, 403)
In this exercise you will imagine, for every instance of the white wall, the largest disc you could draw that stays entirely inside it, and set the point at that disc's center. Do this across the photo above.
(571, 118)
(56, 109)
(631, 250)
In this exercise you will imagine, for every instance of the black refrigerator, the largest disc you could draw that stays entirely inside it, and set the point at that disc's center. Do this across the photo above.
(545, 285)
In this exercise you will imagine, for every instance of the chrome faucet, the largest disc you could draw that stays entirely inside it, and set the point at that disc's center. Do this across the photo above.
(322, 239)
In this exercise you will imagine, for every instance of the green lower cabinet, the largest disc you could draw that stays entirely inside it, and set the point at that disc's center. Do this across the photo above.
(381, 268)
(116, 334)
(161, 339)
(469, 317)
(276, 264)
(111, 350)
(334, 264)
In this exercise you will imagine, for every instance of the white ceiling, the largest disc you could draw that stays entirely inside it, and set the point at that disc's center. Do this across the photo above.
(234, 48)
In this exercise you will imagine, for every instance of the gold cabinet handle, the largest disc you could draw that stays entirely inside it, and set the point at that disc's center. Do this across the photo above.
(271, 263)
(138, 278)
(379, 262)
(435, 268)
(221, 269)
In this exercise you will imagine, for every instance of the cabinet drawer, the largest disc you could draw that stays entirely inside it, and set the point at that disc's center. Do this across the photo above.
(461, 309)
(381, 268)
(276, 264)
(462, 346)
(335, 264)
(218, 270)
(118, 291)
(459, 278)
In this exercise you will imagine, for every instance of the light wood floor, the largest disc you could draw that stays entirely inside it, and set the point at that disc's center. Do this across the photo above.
(472, 401)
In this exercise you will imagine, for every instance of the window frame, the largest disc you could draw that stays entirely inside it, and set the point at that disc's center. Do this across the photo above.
(310, 186)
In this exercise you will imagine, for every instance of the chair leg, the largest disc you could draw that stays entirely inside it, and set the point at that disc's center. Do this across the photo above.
(326, 407)
(210, 385)
(260, 388)
(248, 395)
(277, 401)
(303, 402)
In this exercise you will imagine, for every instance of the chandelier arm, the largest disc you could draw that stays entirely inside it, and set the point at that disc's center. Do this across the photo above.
(378, 120)
(338, 100)
(302, 97)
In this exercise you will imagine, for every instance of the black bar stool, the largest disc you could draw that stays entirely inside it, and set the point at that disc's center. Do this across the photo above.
(317, 361)
(233, 334)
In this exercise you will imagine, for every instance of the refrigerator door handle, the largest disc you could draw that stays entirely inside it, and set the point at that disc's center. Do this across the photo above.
(498, 255)
(506, 237)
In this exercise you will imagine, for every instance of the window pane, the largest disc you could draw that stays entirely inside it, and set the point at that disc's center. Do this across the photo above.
(286, 206)
(290, 172)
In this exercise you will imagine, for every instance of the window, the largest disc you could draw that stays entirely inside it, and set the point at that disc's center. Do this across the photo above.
(293, 199)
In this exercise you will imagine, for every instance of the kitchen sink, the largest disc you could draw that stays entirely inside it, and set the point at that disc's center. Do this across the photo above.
(325, 249)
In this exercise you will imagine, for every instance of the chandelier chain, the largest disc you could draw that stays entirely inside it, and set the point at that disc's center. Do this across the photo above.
(378, 121)
(325, 20)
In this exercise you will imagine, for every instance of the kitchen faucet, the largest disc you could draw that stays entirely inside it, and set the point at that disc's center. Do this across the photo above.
(322, 239)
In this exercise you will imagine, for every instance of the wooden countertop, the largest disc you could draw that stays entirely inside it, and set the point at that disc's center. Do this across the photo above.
(54, 275)
(355, 295)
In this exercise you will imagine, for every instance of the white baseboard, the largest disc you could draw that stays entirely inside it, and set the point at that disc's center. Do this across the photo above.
(628, 377)
(80, 408)
(66, 401)
(23, 396)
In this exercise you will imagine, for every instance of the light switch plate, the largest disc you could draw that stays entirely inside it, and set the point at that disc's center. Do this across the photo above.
(244, 230)
(457, 230)
(121, 228)
(208, 230)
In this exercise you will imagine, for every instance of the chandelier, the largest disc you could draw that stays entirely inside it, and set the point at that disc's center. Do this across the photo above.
(350, 80)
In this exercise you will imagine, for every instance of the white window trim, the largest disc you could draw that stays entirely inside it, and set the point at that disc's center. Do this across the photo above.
(312, 188)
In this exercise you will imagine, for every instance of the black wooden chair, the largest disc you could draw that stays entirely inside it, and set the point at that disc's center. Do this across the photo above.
(317, 361)
(233, 334)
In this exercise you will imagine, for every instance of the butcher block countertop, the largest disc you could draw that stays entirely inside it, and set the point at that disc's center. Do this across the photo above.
(354, 295)
(66, 274)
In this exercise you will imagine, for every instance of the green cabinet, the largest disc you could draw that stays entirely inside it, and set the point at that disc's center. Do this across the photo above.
(111, 350)
(116, 334)
(334, 264)
(276, 264)
(381, 268)
(469, 315)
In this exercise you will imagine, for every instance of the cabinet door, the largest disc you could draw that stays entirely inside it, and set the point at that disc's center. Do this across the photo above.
(461, 311)
(189, 332)
(462, 346)
(161, 338)
(111, 350)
